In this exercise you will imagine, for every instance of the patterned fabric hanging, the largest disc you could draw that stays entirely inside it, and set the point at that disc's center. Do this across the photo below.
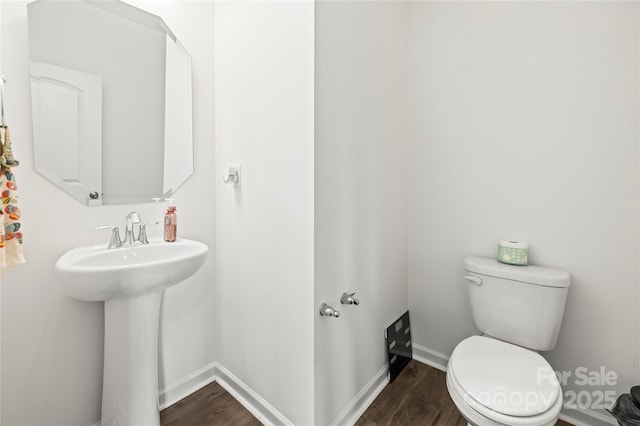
(11, 250)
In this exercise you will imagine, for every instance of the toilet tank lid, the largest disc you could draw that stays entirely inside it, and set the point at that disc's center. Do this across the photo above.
(529, 274)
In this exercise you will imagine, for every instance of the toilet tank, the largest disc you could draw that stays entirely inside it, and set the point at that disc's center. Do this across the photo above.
(523, 305)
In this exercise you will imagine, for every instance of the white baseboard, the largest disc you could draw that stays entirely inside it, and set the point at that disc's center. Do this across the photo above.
(186, 386)
(195, 381)
(430, 357)
(587, 417)
(258, 406)
(359, 404)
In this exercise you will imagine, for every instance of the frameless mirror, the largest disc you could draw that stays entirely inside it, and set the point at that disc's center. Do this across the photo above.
(111, 96)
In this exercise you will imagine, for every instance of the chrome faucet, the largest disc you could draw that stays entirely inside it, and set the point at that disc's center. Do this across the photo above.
(132, 218)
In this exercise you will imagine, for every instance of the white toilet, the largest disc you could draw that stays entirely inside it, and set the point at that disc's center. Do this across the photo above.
(498, 379)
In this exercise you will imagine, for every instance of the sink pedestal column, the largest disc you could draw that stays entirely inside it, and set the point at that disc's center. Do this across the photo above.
(130, 382)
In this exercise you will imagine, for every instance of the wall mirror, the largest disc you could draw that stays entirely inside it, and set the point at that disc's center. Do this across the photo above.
(111, 97)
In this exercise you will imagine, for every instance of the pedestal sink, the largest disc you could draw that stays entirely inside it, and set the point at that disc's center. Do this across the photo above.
(130, 280)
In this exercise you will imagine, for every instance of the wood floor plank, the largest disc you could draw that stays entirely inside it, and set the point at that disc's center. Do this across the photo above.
(209, 406)
(418, 397)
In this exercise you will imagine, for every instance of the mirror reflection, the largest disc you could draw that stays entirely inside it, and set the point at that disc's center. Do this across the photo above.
(111, 101)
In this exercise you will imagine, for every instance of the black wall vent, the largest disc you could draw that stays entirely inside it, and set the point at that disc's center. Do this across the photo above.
(398, 336)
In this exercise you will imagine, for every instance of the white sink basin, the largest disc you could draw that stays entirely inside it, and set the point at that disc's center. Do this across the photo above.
(95, 273)
(131, 281)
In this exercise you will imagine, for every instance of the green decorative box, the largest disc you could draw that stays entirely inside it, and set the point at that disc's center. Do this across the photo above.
(513, 252)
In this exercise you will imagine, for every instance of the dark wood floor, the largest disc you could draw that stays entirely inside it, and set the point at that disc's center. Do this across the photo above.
(211, 405)
(417, 397)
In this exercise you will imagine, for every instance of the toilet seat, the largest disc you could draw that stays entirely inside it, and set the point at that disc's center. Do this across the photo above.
(503, 382)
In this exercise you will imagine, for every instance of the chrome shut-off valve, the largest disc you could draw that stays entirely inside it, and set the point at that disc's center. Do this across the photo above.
(328, 311)
(348, 299)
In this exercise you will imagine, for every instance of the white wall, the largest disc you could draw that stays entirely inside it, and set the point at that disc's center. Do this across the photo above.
(264, 267)
(51, 345)
(360, 193)
(524, 126)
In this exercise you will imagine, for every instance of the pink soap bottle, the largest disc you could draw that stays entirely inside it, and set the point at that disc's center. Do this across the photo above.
(170, 224)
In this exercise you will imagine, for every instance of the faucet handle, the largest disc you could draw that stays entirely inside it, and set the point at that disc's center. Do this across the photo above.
(142, 232)
(115, 235)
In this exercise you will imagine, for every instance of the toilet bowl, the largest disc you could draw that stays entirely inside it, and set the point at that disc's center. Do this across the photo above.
(495, 383)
